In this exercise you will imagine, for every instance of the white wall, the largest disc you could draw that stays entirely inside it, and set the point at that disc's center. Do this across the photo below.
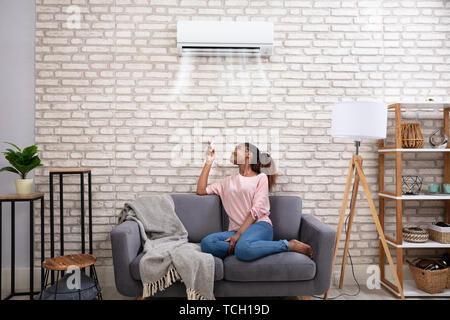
(17, 27)
(113, 95)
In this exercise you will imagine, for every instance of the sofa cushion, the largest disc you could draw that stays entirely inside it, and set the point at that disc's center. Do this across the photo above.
(283, 266)
(200, 215)
(135, 274)
(286, 214)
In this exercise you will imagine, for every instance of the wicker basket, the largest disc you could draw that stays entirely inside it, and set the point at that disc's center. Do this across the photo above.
(434, 281)
(448, 279)
(411, 135)
(415, 234)
(439, 234)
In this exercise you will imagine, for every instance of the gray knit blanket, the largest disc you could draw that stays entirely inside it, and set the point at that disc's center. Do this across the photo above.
(168, 256)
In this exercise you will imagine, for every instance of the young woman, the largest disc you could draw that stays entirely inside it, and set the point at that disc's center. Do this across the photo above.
(245, 197)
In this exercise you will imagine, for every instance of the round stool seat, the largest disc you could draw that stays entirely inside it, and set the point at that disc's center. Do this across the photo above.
(61, 263)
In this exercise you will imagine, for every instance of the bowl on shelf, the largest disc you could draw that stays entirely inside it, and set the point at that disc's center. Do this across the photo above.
(446, 187)
(434, 188)
(415, 234)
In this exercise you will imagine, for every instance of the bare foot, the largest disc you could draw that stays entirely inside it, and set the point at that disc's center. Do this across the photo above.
(300, 247)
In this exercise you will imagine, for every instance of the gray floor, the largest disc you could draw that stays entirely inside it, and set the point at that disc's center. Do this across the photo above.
(110, 293)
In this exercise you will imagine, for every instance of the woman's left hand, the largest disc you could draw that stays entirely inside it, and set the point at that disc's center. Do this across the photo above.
(233, 240)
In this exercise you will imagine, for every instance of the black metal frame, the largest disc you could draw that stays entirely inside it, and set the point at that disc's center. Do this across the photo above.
(94, 277)
(61, 208)
(31, 293)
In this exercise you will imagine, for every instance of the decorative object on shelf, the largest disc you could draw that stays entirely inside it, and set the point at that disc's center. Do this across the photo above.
(434, 188)
(429, 275)
(415, 234)
(438, 141)
(411, 184)
(429, 264)
(439, 232)
(446, 187)
(22, 162)
(411, 135)
(446, 259)
(358, 121)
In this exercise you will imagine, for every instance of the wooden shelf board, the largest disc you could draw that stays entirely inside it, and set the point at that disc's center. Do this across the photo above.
(438, 196)
(429, 244)
(423, 105)
(385, 150)
(22, 197)
(410, 290)
(69, 170)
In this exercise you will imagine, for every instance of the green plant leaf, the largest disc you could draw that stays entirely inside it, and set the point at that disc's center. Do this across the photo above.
(13, 145)
(22, 161)
(10, 151)
(28, 153)
(10, 169)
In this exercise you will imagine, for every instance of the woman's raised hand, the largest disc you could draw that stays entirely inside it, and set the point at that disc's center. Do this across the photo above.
(210, 154)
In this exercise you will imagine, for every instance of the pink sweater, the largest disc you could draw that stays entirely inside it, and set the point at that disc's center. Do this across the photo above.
(241, 195)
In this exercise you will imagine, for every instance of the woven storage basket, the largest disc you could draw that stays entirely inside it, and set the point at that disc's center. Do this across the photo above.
(430, 281)
(411, 135)
(441, 237)
(448, 279)
(415, 234)
(439, 234)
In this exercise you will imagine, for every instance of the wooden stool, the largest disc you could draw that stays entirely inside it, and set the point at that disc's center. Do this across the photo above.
(63, 263)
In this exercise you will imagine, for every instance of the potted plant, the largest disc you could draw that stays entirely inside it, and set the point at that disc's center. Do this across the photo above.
(22, 162)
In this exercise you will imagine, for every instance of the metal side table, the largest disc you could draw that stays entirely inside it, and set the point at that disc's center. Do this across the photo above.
(13, 198)
(88, 287)
(61, 173)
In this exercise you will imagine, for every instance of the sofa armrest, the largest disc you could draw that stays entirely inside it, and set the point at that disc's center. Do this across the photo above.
(126, 245)
(321, 238)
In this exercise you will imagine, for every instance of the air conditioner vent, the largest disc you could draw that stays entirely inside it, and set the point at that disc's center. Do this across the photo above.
(225, 38)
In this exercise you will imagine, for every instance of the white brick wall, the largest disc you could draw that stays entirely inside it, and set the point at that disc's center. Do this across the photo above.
(114, 96)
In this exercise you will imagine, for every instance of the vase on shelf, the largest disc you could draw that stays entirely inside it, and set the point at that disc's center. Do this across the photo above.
(411, 135)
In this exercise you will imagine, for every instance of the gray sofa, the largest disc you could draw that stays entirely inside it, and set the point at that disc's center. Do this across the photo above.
(280, 274)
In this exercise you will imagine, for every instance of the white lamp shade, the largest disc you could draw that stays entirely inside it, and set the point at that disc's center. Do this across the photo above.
(359, 120)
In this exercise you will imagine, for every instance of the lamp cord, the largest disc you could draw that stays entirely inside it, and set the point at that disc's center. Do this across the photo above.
(351, 261)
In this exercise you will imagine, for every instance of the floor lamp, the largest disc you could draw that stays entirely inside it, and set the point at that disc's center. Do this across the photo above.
(359, 121)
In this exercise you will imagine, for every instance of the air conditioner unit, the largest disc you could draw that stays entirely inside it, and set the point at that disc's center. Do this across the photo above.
(219, 38)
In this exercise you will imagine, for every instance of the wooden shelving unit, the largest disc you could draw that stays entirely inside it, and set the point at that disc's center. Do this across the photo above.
(410, 290)
(396, 241)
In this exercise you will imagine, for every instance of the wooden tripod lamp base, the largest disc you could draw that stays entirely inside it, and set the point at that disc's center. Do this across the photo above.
(356, 162)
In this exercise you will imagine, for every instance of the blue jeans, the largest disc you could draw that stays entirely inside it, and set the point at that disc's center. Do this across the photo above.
(255, 242)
